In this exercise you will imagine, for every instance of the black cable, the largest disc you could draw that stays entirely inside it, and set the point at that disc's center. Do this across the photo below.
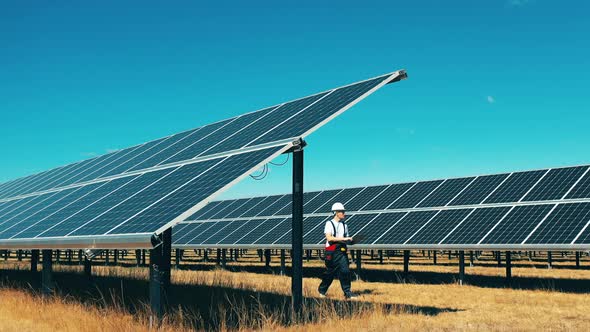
(283, 163)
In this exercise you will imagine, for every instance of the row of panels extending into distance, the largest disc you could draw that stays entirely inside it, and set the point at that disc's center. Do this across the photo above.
(546, 209)
(126, 198)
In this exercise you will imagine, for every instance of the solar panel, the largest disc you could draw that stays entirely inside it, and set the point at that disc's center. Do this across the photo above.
(388, 196)
(479, 189)
(520, 222)
(446, 192)
(405, 228)
(473, 228)
(581, 189)
(415, 195)
(364, 197)
(555, 184)
(515, 187)
(258, 229)
(562, 225)
(441, 225)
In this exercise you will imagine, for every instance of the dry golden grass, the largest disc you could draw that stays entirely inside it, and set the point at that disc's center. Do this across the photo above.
(255, 300)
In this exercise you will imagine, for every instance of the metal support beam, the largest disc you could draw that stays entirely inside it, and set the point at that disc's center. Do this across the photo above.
(34, 260)
(380, 257)
(138, 257)
(508, 267)
(499, 258)
(267, 257)
(223, 258)
(178, 254)
(549, 260)
(461, 267)
(47, 285)
(218, 261)
(471, 258)
(107, 259)
(406, 263)
(434, 257)
(160, 261)
(577, 259)
(115, 256)
(297, 231)
(87, 268)
(206, 255)
(283, 267)
(358, 265)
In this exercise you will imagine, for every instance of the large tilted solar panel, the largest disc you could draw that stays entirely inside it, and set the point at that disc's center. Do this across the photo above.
(123, 198)
(543, 209)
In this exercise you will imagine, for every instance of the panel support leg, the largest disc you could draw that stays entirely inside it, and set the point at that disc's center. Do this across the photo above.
(47, 285)
(434, 257)
(549, 260)
(499, 258)
(88, 268)
(223, 258)
(471, 258)
(160, 261)
(461, 267)
(359, 270)
(508, 267)
(34, 260)
(577, 259)
(297, 232)
(283, 268)
(406, 263)
(116, 256)
(138, 257)
(267, 258)
(380, 257)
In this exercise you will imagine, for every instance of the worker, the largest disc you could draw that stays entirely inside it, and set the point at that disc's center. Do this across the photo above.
(336, 256)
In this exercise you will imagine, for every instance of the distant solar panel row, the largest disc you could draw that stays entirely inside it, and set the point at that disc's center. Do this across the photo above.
(568, 183)
(511, 226)
(285, 121)
(147, 188)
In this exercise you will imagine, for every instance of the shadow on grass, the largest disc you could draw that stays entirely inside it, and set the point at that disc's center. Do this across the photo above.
(205, 307)
(580, 286)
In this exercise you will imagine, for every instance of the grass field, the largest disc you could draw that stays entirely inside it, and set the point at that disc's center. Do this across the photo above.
(250, 296)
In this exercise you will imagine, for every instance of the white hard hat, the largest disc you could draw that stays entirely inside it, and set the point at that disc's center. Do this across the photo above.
(338, 207)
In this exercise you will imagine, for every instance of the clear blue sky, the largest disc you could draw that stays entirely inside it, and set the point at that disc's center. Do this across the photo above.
(494, 86)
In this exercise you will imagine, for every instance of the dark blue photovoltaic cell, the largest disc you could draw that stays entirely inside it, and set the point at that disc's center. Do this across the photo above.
(122, 189)
(406, 227)
(555, 184)
(181, 141)
(473, 229)
(179, 230)
(288, 208)
(441, 225)
(380, 225)
(310, 224)
(213, 211)
(418, 192)
(479, 189)
(584, 237)
(237, 209)
(24, 205)
(515, 187)
(364, 197)
(277, 206)
(246, 225)
(30, 183)
(231, 227)
(562, 225)
(388, 196)
(265, 203)
(192, 231)
(65, 198)
(253, 204)
(257, 229)
(267, 123)
(43, 228)
(282, 227)
(319, 111)
(342, 197)
(146, 197)
(518, 224)
(206, 232)
(206, 209)
(68, 172)
(446, 192)
(581, 189)
(318, 201)
(226, 209)
(197, 190)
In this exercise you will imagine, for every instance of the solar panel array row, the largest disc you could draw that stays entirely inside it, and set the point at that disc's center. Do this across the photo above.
(567, 183)
(141, 190)
(284, 121)
(510, 226)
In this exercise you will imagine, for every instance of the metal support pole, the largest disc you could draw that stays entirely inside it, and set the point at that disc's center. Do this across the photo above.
(223, 258)
(138, 256)
(471, 258)
(549, 260)
(283, 268)
(297, 231)
(461, 267)
(116, 256)
(499, 257)
(508, 267)
(218, 262)
(34, 260)
(19, 255)
(107, 259)
(381, 257)
(160, 259)
(434, 257)
(177, 258)
(577, 259)
(406, 263)
(143, 253)
(47, 285)
(87, 268)
(358, 265)
(267, 257)
(205, 255)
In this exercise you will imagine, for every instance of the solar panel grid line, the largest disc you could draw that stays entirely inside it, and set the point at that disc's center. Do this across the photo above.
(206, 228)
(245, 127)
(95, 201)
(289, 118)
(2, 222)
(431, 192)
(457, 226)
(436, 217)
(174, 156)
(262, 202)
(496, 225)
(519, 222)
(313, 201)
(21, 205)
(219, 214)
(462, 190)
(365, 225)
(125, 200)
(236, 234)
(476, 225)
(252, 229)
(22, 187)
(280, 223)
(568, 177)
(534, 185)
(539, 225)
(390, 227)
(228, 229)
(561, 226)
(386, 79)
(207, 208)
(19, 183)
(164, 197)
(576, 183)
(402, 195)
(157, 168)
(355, 196)
(237, 208)
(255, 230)
(375, 197)
(581, 232)
(275, 152)
(413, 196)
(419, 229)
(327, 206)
(283, 201)
(497, 187)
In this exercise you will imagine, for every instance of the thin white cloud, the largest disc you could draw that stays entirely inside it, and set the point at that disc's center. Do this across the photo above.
(491, 99)
(89, 154)
(111, 150)
(518, 3)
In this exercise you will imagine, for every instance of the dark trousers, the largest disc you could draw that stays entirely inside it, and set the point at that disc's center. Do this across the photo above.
(337, 265)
